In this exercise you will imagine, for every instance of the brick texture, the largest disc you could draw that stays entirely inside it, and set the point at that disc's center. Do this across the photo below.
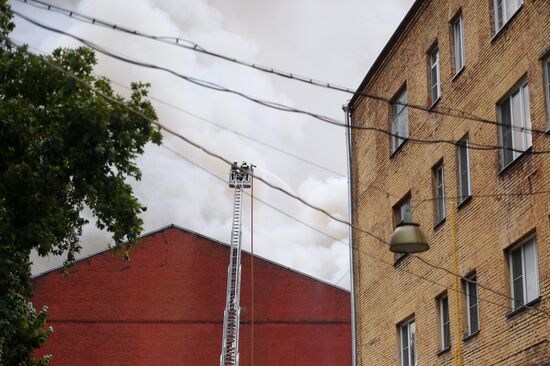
(485, 227)
(165, 307)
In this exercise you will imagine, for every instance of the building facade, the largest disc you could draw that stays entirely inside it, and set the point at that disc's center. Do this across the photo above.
(165, 307)
(460, 148)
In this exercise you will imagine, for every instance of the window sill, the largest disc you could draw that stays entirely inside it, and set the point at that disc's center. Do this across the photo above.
(464, 202)
(439, 224)
(399, 148)
(523, 308)
(514, 162)
(467, 337)
(435, 103)
(505, 25)
(458, 73)
(443, 351)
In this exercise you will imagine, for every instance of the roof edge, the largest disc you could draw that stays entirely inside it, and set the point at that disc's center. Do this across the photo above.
(202, 236)
(386, 50)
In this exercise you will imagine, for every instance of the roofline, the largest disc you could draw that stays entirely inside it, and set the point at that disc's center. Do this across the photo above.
(385, 51)
(202, 236)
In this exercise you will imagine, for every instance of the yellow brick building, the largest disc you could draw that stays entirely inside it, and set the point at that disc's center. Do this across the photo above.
(481, 68)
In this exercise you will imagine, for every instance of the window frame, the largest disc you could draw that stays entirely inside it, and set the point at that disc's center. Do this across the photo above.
(521, 89)
(505, 16)
(463, 147)
(434, 60)
(546, 72)
(412, 357)
(467, 291)
(439, 197)
(458, 62)
(444, 326)
(399, 117)
(524, 278)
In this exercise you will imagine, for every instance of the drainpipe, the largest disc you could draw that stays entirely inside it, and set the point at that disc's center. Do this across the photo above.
(347, 111)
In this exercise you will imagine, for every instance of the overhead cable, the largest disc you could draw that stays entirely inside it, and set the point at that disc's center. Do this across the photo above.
(220, 126)
(271, 104)
(269, 184)
(193, 46)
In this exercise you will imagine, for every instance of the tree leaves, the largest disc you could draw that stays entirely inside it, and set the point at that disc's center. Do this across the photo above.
(63, 147)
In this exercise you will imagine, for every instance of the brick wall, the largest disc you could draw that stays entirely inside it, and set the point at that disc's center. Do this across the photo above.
(165, 307)
(486, 227)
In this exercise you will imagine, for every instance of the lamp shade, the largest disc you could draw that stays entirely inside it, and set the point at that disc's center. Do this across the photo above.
(408, 238)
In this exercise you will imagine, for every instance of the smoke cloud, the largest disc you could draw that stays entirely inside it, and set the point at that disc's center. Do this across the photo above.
(333, 41)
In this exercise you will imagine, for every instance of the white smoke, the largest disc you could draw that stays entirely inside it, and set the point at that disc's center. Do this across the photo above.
(326, 40)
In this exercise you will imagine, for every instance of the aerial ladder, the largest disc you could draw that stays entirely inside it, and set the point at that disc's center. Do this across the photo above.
(239, 178)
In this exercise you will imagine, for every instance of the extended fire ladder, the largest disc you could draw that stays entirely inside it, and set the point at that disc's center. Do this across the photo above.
(238, 179)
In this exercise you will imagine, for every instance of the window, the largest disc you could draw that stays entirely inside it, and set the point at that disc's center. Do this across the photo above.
(399, 120)
(524, 276)
(439, 193)
(472, 309)
(435, 87)
(463, 170)
(407, 333)
(547, 87)
(402, 214)
(504, 9)
(515, 124)
(458, 47)
(445, 323)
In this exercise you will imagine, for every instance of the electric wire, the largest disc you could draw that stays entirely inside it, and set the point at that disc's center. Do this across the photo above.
(355, 249)
(273, 186)
(271, 104)
(221, 126)
(193, 46)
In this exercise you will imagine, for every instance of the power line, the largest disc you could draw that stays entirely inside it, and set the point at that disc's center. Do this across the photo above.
(220, 126)
(362, 252)
(193, 46)
(271, 104)
(296, 197)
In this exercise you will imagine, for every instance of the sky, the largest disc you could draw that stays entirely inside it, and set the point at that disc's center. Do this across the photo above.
(327, 40)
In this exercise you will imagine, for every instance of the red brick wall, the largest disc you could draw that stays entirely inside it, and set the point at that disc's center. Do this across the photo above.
(165, 307)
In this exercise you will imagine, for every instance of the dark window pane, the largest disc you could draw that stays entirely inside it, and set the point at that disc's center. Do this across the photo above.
(474, 326)
(506, 132)
(405, 345)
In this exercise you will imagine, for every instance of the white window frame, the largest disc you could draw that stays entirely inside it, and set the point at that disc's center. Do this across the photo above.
(458, 40)
(547, 88)
(518, 132)
(410, 347)
(439, 192)
(529, 280)
(472, 282)
(400, 120)
(443, 325)
(506, 13)
(435, 85)
(464, 188)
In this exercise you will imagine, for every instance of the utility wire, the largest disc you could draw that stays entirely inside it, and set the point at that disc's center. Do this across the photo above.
(271, 104)
(220, 126)
(273, 186)
(190, 45)
(356, 249)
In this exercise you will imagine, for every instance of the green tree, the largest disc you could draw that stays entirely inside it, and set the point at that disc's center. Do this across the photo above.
(63, 147)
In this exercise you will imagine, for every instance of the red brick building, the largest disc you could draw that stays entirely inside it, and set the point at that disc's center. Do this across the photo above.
(165, 307)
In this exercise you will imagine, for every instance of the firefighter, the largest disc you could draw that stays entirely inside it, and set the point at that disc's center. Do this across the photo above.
(244, 170)
(234, 170)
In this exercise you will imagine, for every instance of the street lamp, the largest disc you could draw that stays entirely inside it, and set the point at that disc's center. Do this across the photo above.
(408, 238)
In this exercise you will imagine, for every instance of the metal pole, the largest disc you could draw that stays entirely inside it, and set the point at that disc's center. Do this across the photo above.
(346, 109)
